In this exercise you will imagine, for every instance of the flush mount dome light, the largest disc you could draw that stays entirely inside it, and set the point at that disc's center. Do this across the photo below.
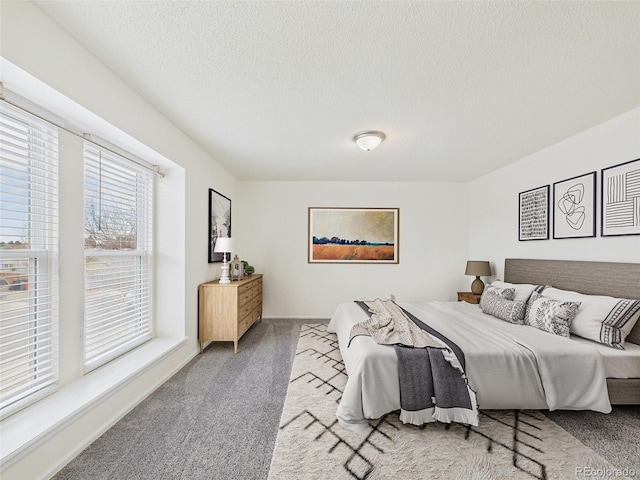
(368, 140)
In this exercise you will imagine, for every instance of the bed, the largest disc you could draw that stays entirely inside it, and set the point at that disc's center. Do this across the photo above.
(508, 366)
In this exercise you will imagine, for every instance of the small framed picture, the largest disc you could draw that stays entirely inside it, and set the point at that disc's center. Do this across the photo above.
(533, 222)
(574, 207)
(621, 199)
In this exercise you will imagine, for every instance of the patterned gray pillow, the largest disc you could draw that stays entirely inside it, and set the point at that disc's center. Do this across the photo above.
(509, 310)
(506, 292)
(490, 292)
(553, 316)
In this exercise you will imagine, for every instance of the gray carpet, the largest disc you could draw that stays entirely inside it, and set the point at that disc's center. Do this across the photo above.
(615, 436)
(218, 418)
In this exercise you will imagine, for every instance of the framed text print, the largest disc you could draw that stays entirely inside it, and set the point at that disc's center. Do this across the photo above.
(621, 199)
(353, 235)
(219, 222)
(533, 223)
(574, 207)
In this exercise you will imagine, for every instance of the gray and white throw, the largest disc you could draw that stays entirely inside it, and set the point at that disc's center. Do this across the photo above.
(433, 384)
(388, 325)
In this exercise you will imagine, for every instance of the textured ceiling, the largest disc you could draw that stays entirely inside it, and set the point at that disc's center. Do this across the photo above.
(276, 90)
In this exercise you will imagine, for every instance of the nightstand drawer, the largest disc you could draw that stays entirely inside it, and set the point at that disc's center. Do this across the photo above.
(469, 297)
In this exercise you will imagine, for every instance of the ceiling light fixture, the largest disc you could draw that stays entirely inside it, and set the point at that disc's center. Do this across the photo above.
(368, 140)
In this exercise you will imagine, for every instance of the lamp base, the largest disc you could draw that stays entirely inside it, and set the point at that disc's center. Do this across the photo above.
(224, 272)
(477, 286)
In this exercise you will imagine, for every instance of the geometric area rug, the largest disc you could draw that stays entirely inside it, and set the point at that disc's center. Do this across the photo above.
(507, 444)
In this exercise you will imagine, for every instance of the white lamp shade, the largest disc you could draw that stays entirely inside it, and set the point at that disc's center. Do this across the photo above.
(223, 245)
(368, 140)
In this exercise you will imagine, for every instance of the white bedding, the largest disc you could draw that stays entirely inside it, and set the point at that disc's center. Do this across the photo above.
(617, 363)
(508, 366)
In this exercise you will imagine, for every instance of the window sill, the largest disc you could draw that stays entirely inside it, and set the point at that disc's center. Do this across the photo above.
(26, 428)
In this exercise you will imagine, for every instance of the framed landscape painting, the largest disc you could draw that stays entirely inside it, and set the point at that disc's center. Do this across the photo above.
(533, 222)
(219, 222)
(353, 235)
(574, 207)
(621, 199)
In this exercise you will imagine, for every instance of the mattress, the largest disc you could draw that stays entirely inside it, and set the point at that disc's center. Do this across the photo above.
(508, 366)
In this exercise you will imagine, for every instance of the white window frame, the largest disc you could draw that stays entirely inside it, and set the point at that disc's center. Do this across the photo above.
(105, 314)
(39, 316)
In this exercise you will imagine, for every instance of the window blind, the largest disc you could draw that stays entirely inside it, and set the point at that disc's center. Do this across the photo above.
(118, 255)
(28, 258)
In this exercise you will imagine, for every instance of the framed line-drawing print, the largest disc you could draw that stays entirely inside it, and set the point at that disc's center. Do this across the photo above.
(533, 221)
(353, 235)
(219, 222)
(620, 199)
(574, 207)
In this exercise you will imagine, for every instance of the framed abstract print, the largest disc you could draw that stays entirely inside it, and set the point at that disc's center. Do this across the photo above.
(533, 221)
(621, 199)
(574, 207)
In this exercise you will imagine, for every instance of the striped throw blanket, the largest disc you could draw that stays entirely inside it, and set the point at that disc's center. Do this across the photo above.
(433, 384)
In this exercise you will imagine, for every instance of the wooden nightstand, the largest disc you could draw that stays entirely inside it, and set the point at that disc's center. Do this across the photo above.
(469, 297)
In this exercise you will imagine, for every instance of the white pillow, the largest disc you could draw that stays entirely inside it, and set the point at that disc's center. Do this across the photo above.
(606, 320)
(522, 290)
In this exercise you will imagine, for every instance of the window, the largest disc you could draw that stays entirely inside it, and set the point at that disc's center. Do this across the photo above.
(28, 258)
(118, 209)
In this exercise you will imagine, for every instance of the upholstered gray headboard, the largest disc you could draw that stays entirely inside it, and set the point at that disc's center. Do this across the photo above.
(592, 278)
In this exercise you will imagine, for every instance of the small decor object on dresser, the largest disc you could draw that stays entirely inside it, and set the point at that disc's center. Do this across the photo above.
(574, 207)
(248, 269)
(621, 199)
(237, 269)
(534, 214)
(469, 297)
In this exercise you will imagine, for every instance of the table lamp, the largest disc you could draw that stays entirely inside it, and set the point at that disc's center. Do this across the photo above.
(224, 245)
(478, 269)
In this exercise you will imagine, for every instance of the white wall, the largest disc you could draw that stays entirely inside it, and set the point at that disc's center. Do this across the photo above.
(270, 232)
(41, 50)
(493, 233)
